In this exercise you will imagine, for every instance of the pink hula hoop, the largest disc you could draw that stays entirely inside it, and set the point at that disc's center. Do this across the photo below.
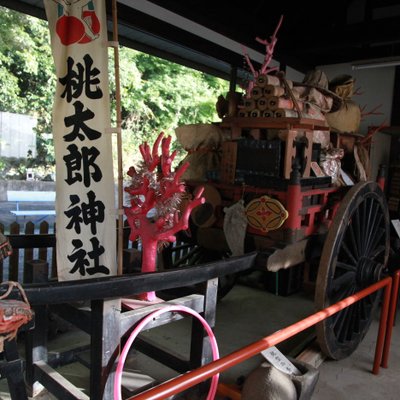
(142, 324)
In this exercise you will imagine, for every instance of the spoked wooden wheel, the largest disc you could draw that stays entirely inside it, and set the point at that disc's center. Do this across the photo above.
(354, 255)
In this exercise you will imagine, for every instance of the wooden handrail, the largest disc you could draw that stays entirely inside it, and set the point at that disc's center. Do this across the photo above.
(132, 284)
(33, 241)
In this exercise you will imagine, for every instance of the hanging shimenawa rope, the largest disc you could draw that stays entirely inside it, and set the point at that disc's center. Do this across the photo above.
(119, 139)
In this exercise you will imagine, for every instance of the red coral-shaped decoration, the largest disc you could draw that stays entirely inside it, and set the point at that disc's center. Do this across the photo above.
(156, 192)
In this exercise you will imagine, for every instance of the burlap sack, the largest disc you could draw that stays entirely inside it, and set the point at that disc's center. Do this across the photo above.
(315, 90)
(203, 143)
(343, 86)
(347, 119)
(314, 96)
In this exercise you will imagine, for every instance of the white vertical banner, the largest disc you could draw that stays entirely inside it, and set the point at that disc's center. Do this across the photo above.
(85, 205)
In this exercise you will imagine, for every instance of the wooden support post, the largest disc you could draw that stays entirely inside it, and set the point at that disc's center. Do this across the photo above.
(233, 79)
(200, 347)
(293, 222)
(36, 339)
(105, 338)
(290, 152)
(132, 260)
(119, 137)
(307, 152)
(36, 271)
(228, 162)
(36, 348)
(200, 351)
(291, 136)
(11, 368)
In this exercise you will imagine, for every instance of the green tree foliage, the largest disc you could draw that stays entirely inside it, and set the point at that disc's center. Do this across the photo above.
(26, 77)
(156, 95)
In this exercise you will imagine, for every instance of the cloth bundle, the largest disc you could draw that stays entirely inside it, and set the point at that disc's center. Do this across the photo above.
(13, 313)
(203, 143)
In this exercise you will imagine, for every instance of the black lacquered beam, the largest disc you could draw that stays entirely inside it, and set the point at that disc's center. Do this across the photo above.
(131, 284)
(32, 241)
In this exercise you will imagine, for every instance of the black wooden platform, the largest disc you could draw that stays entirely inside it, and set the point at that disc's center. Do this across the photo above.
(107, 324)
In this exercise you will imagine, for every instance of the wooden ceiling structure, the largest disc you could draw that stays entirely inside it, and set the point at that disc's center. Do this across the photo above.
(209, 35)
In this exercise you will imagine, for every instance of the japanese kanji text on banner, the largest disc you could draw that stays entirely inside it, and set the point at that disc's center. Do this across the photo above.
(85, 208)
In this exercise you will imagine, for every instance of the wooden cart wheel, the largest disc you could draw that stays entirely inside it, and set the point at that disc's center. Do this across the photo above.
(354, 255)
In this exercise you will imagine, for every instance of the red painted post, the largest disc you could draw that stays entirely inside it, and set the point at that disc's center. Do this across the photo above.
(381, 178)
(392, 313)
(380, 341)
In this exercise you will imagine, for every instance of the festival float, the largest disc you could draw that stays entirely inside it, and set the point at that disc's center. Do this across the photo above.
(285, 174)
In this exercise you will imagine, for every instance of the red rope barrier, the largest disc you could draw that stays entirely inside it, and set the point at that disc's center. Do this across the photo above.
(390, 322)
(192, 378)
